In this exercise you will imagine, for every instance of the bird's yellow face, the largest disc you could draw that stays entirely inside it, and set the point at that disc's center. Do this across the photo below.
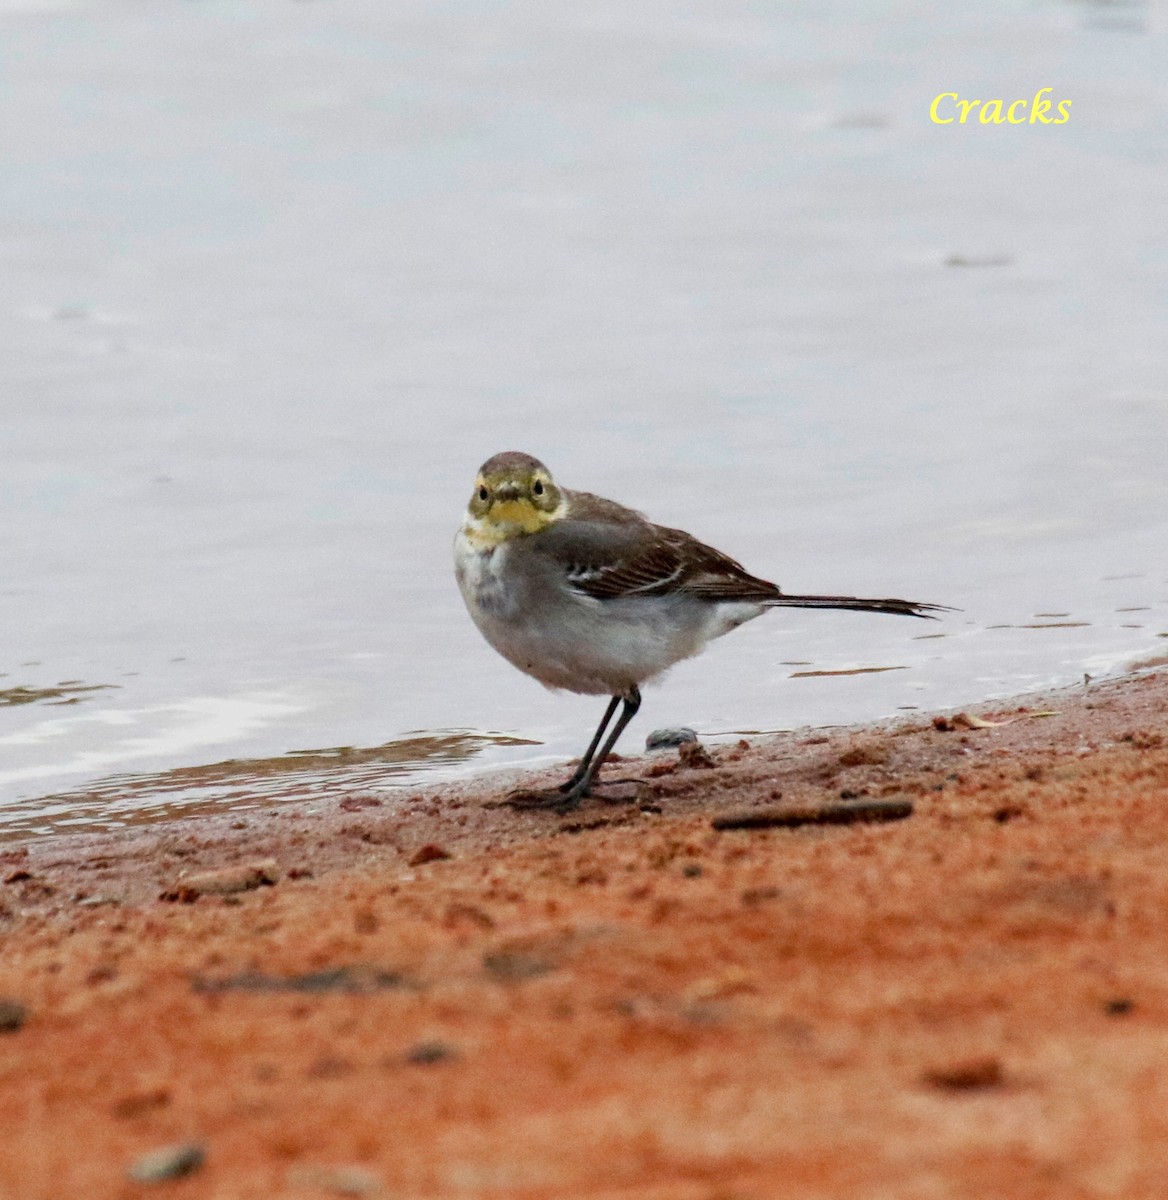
(513, 495)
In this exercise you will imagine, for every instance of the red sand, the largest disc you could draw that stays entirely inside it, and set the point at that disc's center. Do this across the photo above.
(970, 1002)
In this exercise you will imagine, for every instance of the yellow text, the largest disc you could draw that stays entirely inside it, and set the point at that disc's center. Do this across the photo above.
(948, 107)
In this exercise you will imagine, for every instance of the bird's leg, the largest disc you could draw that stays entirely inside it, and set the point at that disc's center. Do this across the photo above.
(569, 794)
(586, 761)
(583, 785)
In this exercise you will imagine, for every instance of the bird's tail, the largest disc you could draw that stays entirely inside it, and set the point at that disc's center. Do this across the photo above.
(903, 608)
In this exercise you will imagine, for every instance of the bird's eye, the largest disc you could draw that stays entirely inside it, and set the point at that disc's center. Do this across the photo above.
(483, 494)
(538, 488)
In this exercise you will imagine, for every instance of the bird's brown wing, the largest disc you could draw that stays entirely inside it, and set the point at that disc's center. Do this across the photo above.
(610, 552)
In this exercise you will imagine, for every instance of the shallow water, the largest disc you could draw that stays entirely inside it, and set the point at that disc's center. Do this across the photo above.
(277, 278)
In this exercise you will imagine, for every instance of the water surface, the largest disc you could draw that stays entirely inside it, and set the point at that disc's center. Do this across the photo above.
(275, 278)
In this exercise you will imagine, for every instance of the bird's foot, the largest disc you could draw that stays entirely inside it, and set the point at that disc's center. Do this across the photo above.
(556, 799)
(568, 795)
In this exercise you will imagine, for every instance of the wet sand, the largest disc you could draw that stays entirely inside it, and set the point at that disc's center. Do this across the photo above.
(444, 998)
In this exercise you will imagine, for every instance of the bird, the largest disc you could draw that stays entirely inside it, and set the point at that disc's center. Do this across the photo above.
(586, 595)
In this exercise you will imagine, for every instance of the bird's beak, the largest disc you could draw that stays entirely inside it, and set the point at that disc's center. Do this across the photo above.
(507, 491)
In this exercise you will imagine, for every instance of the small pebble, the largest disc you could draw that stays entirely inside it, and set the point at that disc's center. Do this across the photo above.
(13, 1015)
(973, 1074)
(664, 739)
(169, 1162)
(425, 1053)
(430, 852)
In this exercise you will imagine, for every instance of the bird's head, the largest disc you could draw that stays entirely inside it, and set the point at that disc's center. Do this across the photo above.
(514, 494)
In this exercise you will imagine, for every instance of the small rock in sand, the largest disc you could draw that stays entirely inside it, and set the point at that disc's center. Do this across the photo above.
(425, 1053)
(13, 1015)
(430, 852)
(664, 739)
(224, 881)
(170, 1162)
(969, 1075)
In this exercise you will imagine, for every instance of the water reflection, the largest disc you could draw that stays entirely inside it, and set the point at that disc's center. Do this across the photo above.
(68, 691)
(241, 784)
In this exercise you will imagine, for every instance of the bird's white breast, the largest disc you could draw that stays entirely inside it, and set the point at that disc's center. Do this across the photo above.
(566, 639)
(481, 578)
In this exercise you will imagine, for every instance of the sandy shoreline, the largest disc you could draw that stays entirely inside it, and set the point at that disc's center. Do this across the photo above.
(440, 997)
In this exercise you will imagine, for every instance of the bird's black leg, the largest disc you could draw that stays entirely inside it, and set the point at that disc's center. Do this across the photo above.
(570, 793)
(582, 786)
(586, 761)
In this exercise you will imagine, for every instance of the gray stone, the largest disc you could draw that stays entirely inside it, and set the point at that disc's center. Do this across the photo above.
(663, 739)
